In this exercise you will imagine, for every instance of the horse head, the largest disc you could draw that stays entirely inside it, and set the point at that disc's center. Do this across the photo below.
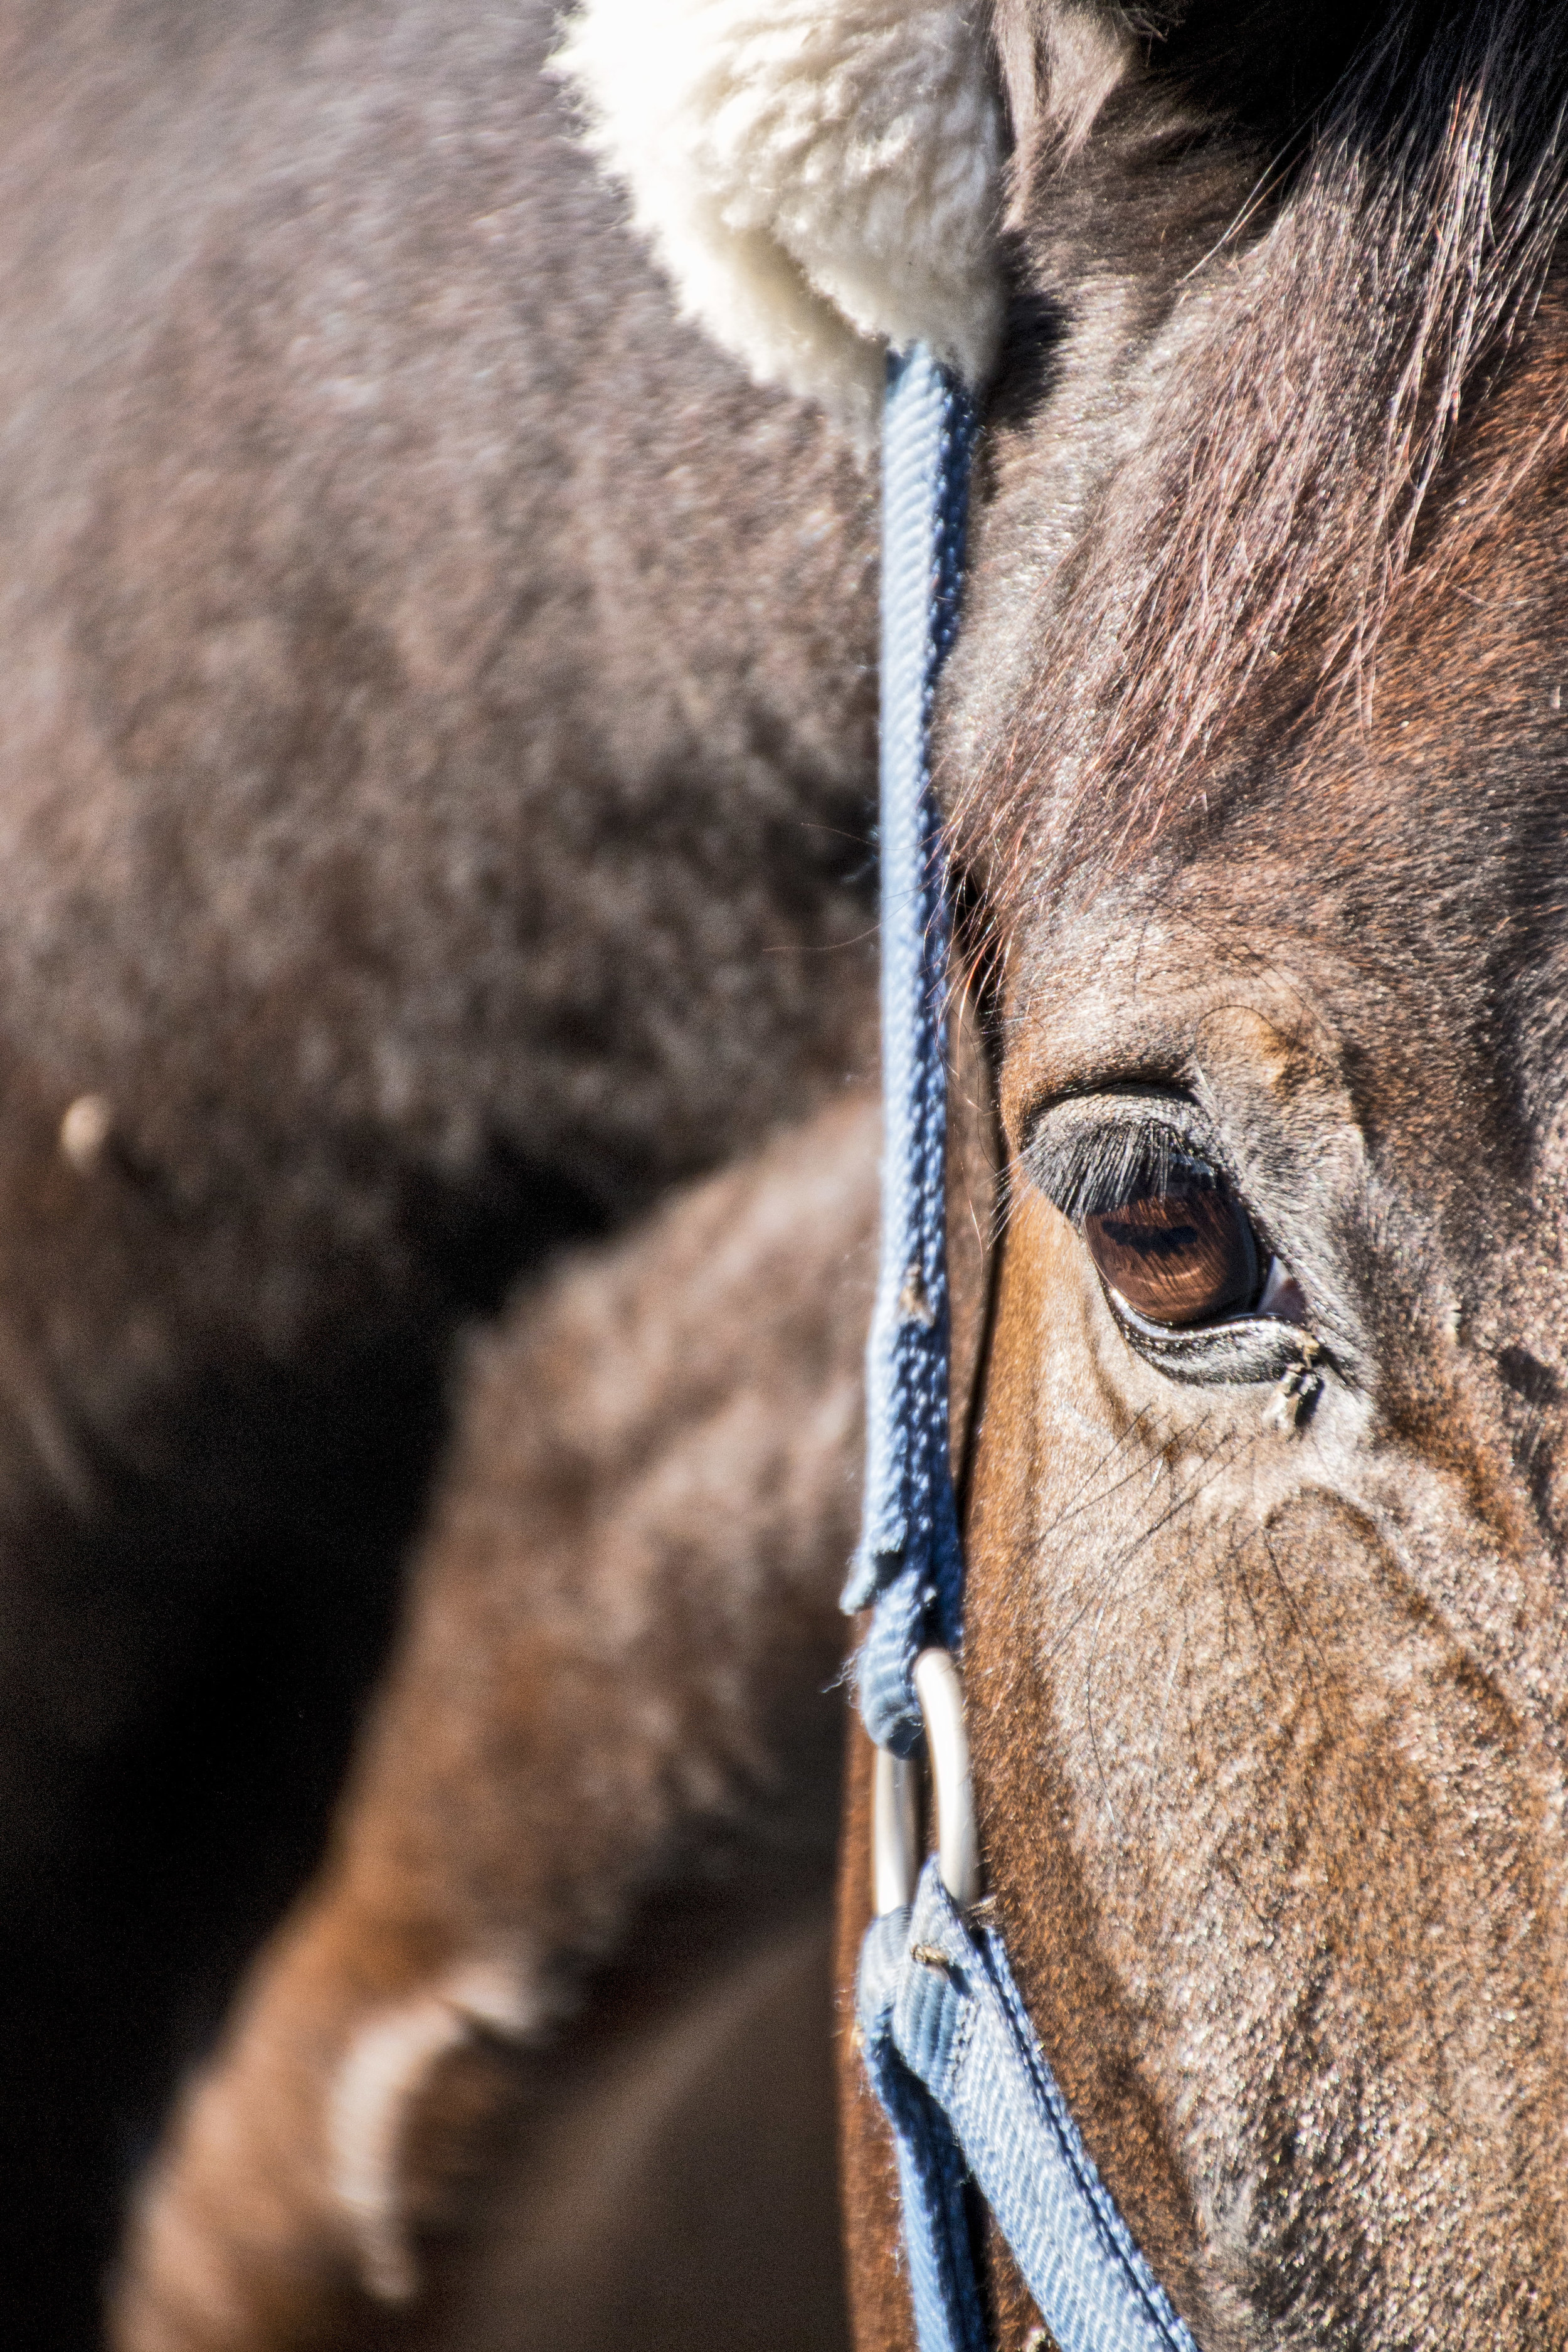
(1253, 745)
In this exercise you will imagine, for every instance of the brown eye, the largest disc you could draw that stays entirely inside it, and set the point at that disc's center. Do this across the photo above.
(1182, 1253)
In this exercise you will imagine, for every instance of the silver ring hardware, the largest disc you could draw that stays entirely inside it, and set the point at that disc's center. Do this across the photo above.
(895, 1798)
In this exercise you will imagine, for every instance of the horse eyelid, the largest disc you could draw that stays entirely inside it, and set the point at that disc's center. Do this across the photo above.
(1091, 1169)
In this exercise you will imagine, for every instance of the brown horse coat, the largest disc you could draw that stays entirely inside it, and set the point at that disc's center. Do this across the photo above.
(614, 1679)
(433, 814)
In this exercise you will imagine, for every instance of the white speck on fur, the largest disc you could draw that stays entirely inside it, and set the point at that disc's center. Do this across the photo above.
(383, 2072)
(85, 1131)
(820, 178)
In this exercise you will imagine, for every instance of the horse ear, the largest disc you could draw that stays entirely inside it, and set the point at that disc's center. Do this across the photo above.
(821, 179)
(1058, 61)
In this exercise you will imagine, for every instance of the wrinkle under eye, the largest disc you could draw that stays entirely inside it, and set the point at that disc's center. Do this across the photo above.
(1182, 1254)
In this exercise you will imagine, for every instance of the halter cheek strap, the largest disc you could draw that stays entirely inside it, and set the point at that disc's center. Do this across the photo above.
(947, 2043)
(909, 1561)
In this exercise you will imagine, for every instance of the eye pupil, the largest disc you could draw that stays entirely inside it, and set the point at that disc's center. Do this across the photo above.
(1183, 1254)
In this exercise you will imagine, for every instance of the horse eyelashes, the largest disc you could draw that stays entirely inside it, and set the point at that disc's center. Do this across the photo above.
(1100, 1167)
(1165, 1228)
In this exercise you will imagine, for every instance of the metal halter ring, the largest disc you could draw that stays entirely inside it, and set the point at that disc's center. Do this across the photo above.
(895, 1798)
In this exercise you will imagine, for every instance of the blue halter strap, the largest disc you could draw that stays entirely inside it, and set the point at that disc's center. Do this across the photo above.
(947, 2043)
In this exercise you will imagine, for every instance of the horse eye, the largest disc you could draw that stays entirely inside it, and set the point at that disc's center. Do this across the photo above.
(1182, 1252)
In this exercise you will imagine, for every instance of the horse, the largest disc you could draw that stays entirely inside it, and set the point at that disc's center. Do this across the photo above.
(1251, 743)
(602, 1738)
(437, 790)
(1254, 751)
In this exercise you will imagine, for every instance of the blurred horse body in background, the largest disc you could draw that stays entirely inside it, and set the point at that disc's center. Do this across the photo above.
(433, 807)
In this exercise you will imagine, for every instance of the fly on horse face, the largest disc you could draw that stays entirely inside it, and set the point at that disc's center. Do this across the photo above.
(439, 697)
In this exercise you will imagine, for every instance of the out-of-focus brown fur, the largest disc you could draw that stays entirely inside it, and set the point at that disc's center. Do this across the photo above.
(620, 1643)
(674, 2184)
(434, 800)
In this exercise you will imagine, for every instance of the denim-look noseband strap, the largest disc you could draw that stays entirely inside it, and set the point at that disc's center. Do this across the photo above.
(953, 2046)
(948, 2045)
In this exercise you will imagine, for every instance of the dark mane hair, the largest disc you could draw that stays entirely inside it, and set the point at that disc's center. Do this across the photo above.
(1272, 516)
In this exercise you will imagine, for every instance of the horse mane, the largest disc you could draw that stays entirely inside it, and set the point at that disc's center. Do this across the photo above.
(1272, 514)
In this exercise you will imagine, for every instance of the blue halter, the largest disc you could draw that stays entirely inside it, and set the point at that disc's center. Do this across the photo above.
(948, 2045)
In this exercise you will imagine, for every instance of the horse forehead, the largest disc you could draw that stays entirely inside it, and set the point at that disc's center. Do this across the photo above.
(1393, 853)
(1422, 757)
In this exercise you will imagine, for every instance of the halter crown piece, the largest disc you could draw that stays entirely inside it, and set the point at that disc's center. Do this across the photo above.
(947, 2043)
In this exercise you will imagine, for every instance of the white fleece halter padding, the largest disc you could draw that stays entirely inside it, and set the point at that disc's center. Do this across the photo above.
(820, 178)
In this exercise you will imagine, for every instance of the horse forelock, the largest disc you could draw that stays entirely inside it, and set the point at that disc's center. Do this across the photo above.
(1302, 460)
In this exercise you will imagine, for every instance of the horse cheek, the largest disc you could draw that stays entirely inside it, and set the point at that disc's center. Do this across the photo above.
(1050, 1425)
